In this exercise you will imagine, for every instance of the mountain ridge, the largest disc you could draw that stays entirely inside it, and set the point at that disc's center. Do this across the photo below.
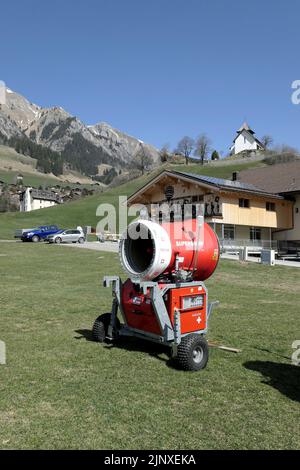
(83, 147)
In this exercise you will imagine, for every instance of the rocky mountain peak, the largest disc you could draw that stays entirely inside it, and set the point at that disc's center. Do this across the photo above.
(84, 147)
(20, 110)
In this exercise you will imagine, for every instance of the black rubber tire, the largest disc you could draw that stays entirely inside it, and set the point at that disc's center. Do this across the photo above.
(35, 239)
(192, 353)
(81, 240)
(58, 240)
(100, 328)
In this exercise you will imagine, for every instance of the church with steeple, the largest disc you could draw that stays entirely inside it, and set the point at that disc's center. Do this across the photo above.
(245, 140)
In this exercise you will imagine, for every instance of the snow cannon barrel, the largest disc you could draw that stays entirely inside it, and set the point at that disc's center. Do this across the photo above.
(149, 250)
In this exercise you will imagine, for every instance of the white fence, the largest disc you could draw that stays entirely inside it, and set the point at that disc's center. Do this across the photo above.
(254, 246)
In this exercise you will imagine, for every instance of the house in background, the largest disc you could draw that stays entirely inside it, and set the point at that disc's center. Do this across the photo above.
(241, 214)
(32, 199)
(284, 180)
(245, 140)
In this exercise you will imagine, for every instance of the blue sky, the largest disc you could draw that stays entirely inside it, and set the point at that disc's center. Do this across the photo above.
(159, 69)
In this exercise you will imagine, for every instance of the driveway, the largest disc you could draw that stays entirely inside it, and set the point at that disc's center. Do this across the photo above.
(112, 247)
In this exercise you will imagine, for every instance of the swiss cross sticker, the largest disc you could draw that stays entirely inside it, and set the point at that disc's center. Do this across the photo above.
(198, 320)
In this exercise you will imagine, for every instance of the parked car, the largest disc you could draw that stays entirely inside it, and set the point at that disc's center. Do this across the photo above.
(67, 236)
(20, 231)
(40, 233)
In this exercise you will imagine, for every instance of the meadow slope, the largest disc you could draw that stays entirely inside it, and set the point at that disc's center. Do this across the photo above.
(83, 211)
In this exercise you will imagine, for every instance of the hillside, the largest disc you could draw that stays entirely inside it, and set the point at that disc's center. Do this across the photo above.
(10, 159)
(13, 163)
(219, 169)
(83, 211)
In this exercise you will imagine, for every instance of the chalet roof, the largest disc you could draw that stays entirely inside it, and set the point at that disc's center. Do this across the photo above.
(226, 184)
(43, 195)
(209, 182)
(283, 178)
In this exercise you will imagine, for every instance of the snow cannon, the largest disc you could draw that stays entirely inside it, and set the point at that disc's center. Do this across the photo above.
(164, 299)
(150, 251)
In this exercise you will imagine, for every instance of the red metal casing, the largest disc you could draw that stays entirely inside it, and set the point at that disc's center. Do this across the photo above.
(191, 318)
(139, 312)
(199, 249)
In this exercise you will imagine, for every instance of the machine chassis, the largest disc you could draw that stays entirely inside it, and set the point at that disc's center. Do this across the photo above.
(172, 336)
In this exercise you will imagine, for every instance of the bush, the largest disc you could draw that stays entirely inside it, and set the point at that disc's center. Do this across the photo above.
(215, 155)
(282, 155)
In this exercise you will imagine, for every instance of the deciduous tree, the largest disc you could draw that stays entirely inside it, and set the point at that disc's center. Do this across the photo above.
(203, 145)
(185, 147)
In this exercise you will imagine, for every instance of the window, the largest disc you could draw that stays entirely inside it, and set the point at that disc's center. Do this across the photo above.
(255, 233)
(245, 203)
(229, 232)
(270, 206)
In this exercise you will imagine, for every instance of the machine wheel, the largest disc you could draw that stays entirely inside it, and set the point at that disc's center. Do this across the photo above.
(100, 327)
(35, 238)
(58, 240)
(192, 353)
(81, 240)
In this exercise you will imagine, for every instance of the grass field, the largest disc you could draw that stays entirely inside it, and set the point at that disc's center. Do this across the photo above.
(61, 390)
(29, 179)
(83, 211)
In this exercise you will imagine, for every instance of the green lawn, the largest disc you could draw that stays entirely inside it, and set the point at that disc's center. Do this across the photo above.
(61, 390)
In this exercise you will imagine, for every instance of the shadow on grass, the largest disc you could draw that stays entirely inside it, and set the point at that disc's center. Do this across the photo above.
(143, 346)
(134, 344)
(283, 377)
(85, 334)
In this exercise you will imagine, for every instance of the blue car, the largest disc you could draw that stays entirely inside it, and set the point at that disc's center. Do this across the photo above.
(40, 233)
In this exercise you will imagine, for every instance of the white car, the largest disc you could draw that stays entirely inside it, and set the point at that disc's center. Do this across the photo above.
(67, 236)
